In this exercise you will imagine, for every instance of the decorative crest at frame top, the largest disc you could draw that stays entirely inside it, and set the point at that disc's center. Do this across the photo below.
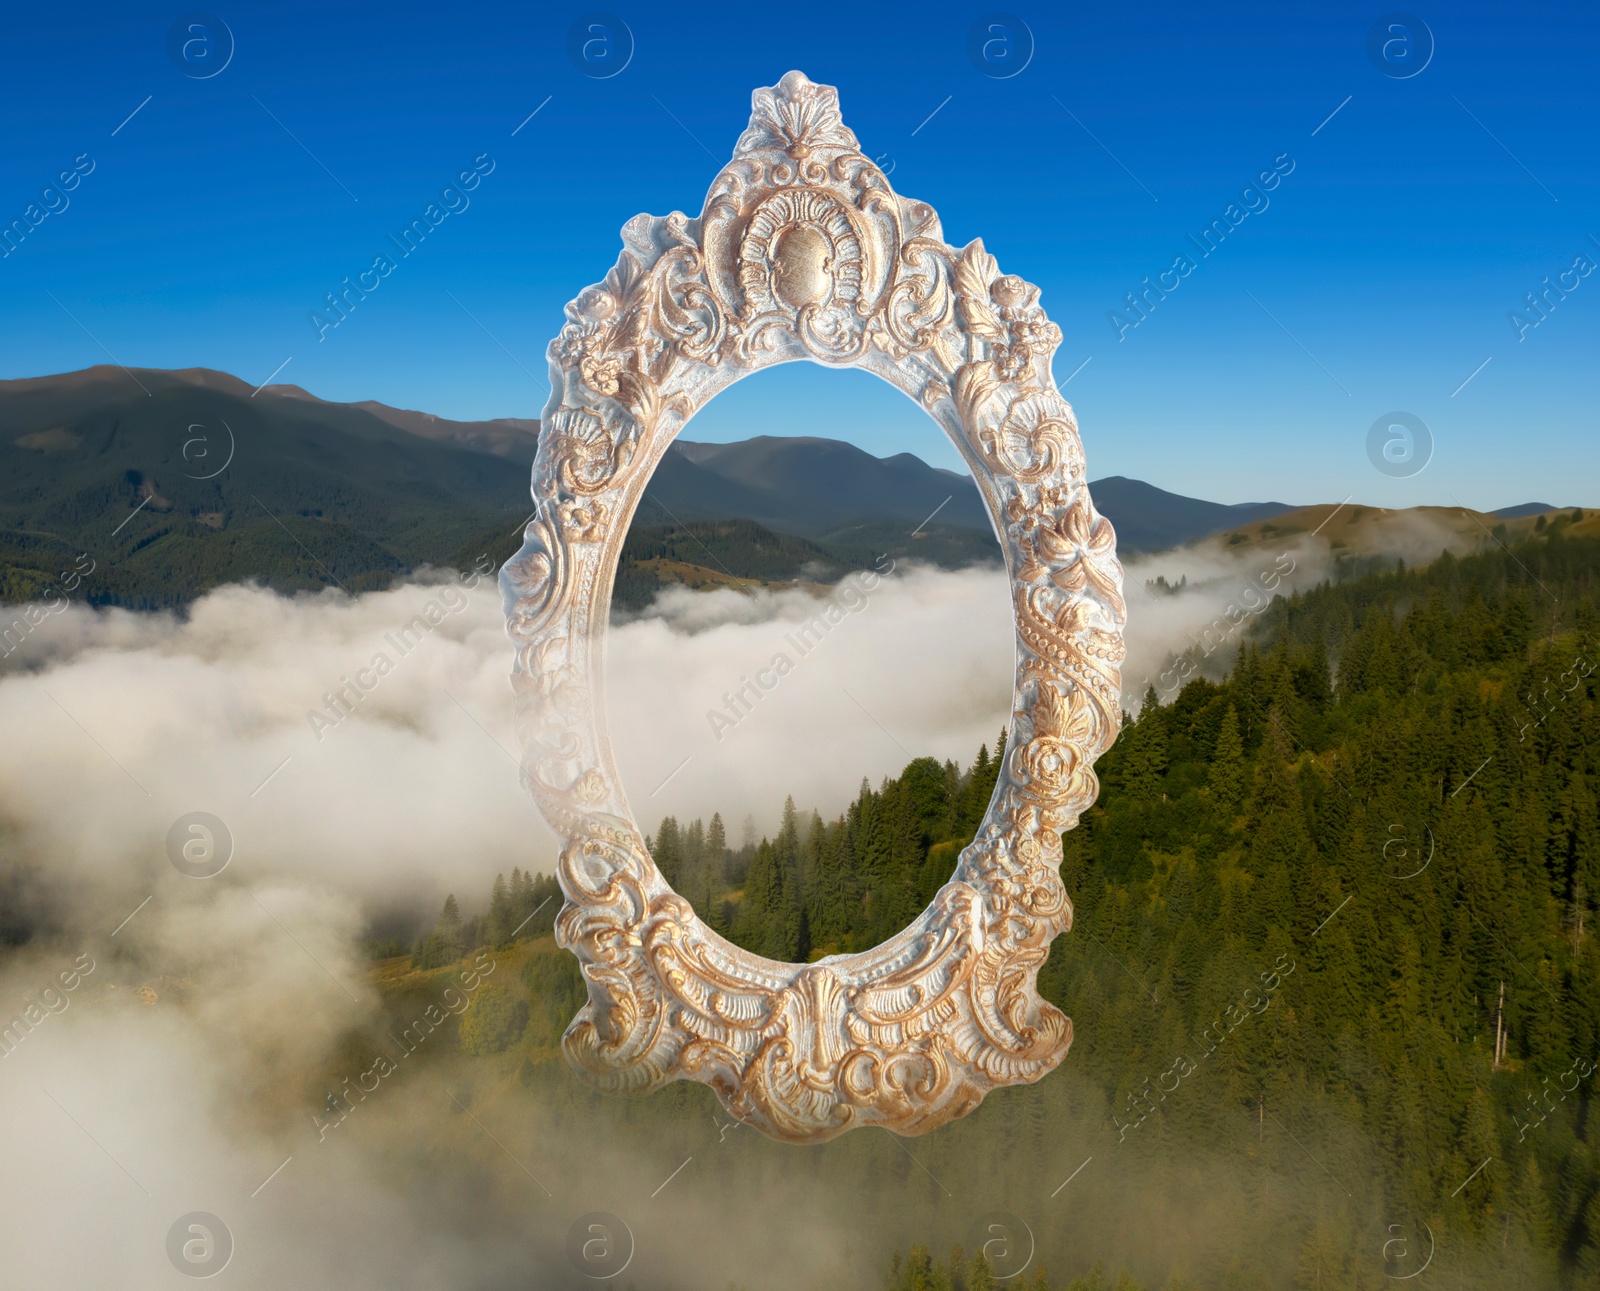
(796, 117)
(803, 251)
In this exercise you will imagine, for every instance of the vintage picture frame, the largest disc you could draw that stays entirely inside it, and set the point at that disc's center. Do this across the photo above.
(803, 251)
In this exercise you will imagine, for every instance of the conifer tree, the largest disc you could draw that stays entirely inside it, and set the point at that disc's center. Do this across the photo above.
(717, 849)
(667, 849)
(501, 916)
(1227, 763)
(446, 943)
(1144, 764)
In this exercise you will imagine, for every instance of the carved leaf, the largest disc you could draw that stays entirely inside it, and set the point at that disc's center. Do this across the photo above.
(973, 273)
(1052, 715)
(975, 384)
(1072, 578)
(1054, 545)
(1098, 537)
(626, 278)
(641, 396)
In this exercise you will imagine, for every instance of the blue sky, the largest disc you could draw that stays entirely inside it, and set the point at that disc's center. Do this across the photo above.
(1378, 279)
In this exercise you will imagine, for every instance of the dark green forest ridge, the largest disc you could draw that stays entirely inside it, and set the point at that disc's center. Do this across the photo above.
(1299, 899)
(197, 483)
(164, 485)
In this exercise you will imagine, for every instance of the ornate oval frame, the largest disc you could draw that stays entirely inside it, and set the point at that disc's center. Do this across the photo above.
(803, 251)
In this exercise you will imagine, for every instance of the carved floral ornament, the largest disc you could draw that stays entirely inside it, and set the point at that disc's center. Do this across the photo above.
(803, 251)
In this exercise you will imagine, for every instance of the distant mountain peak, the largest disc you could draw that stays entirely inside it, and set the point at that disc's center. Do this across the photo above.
(1526, 509)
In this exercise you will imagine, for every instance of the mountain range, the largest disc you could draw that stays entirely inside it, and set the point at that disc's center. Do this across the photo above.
(177, 481)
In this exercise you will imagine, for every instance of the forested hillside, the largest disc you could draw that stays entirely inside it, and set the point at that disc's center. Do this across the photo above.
(1416, 832)
(1333, 964)
(171, 484)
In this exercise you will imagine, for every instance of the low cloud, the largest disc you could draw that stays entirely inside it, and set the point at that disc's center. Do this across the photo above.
(339, 746)
(183, 1070)
(366, 742)
(123, 722)
(727, 701)
(1190, 609)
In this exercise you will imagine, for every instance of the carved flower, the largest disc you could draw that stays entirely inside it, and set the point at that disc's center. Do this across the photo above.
(1038, 332)
(583, 450)
(590, 787)
(1020, 331)
(1030, 340)
(1061, 727)
(583, 519)
(1046, 549)
(587, 346)
(574, 342)
(601, 373)
(1012, 360)
(1055, 543)
(1021, 517)
(597, 304)
(1009, 291)
(1048, 762)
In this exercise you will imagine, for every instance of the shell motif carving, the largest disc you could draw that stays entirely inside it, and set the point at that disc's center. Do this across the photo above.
(803, 251)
